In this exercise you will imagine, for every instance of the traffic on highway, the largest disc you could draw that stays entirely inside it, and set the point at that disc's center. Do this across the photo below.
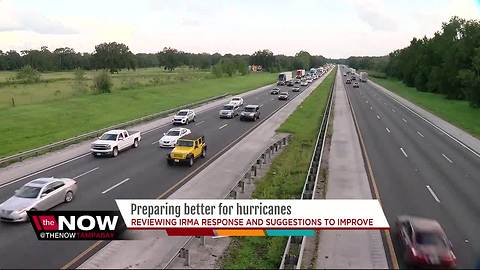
(426, 179)
(145, 172)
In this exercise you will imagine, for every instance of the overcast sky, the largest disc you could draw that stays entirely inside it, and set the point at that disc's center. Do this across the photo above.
(333, 29)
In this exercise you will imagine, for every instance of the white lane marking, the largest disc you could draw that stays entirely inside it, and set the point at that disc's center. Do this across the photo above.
(385, 103)
(433, 194)
(371, 108)
(449, 160)
(44, 170)
(261, 105)
(116, 185)
(404, 153)
(273, 98)
(366, 101)
(388, 130)
(199, 123)
(155, 142)
(421, 135)
(393, 110)
(85, 173)
(378, 117)
(404, 120)
(435, 126)
(223, 126)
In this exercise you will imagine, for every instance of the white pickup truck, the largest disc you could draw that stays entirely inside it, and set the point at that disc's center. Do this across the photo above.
(114, 141)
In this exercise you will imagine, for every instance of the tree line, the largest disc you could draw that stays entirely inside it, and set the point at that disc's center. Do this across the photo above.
(115, 56)
(448, 63)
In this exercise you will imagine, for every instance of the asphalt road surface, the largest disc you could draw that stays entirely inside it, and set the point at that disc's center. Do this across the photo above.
(420, 171)
(102, 180)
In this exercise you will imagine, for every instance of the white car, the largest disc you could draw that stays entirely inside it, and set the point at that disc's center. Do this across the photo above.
(304, 83)
(183, 117)
(237, 101)
(39, 194)
(170, 138)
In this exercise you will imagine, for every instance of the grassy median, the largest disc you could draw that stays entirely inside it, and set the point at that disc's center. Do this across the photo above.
(284, 180)
(29, 126)
(457, 112)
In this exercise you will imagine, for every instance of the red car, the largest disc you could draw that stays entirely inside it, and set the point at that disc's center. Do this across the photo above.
(425, 242)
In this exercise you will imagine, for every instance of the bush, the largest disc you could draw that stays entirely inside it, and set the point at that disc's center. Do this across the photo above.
(28, 74)
(102, 82)
(79, 79)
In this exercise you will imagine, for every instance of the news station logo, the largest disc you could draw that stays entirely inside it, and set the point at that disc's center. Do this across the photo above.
(77, 225)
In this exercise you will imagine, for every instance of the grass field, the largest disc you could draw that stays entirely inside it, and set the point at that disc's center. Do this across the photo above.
(284, 180)
(457, 112)
(29, 126)
(60, 85)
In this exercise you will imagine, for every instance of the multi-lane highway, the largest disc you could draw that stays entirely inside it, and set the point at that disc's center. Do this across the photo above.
(419, 170)
(137, 173)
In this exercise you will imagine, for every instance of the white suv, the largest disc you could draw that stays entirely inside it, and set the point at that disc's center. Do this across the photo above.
(184, 117)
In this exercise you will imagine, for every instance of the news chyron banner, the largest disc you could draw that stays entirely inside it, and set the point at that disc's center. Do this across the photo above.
(251, 217)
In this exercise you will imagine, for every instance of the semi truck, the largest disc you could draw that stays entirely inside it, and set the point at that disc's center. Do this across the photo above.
(300, 73)
(363, 76)
(284, 78)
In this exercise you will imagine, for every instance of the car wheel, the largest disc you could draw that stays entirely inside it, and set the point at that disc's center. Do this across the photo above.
(69, 197)
(190, 161)
(169, 162)
(135, 144)
(193, 120)
(115, 152)
(204, 153)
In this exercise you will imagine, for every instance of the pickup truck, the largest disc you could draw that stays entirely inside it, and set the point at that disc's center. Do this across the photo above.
(114, 141)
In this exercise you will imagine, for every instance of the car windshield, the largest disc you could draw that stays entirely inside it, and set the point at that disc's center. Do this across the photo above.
(431, 239)
(250, 109)
(108, 137)
(182, 113)
(184, 143)
(283, 93)
(235, 99)
(173, 133)
(27, 192)
(228, 107)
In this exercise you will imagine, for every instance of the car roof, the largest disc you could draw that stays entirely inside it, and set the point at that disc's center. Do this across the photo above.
(251, 106)
(176, 128)
(41, 182)
(236, 97)
(184, 110)
(192, 136)
(424, 224)
(115, 131)
(281, 93)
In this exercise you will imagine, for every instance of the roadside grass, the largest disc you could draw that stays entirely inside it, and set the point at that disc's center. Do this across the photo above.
(60, 85)
(29, 126)
(284, 180)
(457, 112)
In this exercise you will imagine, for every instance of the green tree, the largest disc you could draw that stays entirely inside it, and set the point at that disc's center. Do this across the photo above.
(303, 60)
(112, 56)
(170, 58)
(264, 58)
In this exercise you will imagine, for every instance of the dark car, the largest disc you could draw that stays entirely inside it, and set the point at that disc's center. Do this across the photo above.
(290, 83)
(250, 112)
(425, 243)
(283, 96)
(275, 91)
(354, 78)
(348, 82)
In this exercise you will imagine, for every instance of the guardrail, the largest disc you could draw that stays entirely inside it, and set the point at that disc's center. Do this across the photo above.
(248, 177)
(292, 256)
(93, 134)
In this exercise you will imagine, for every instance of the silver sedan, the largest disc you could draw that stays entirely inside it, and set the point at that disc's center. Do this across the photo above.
(38, 194)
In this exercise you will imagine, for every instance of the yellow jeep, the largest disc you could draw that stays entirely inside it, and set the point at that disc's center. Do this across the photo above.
(187, 149)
